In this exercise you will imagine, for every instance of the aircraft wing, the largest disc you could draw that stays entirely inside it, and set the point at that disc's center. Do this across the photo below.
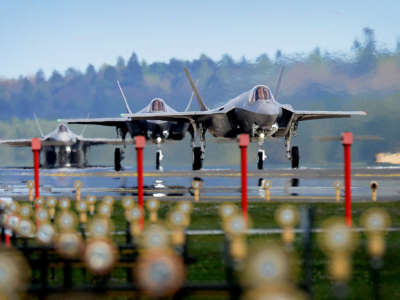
(97, 121)
(104, 141)
(303, 115)
(17, 143)
(175, 116)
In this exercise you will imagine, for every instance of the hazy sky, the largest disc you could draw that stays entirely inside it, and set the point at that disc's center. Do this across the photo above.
(48, 34)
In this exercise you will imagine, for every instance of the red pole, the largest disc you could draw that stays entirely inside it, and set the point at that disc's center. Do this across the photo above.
(140, 143)
(347, 140)
(36, 146)
(244, 140)
(8, 241)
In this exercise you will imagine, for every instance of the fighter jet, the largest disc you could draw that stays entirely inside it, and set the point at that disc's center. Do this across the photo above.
(62, 147)
(255, 112)
(156, 131)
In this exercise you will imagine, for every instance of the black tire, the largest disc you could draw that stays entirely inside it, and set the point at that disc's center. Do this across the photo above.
(158, 160)
(197, 161)
(295, 157)
(260, 161)
(117, 159)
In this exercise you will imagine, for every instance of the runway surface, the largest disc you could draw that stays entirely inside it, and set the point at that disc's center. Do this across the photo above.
(223, 184)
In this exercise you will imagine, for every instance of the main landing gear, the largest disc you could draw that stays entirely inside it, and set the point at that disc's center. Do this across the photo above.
(293, 154)
(118, 157)
(159, 157)
(198, 151)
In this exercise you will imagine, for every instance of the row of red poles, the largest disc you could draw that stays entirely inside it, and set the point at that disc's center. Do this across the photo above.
(244, 140)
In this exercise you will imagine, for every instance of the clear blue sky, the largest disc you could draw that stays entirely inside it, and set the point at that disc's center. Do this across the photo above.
(48, 34)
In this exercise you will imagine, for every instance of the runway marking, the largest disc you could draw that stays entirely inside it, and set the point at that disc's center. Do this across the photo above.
(377, 175)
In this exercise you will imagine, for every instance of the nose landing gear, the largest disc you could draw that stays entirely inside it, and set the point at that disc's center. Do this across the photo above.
(118, 157)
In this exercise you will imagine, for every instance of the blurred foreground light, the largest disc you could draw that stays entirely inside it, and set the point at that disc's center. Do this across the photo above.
(108, 200)
(127, 202)
(14, 273)
(51, 202)
(25, 211)
(69, 244)
(77, 184)
(105, 210)
(66, 221)
(337, 237)
(178, 219)
(185, 206)
(236, 225)
(227, 210)
(64, 203)
(42, 215)
(267, 264)
(287, 216)
(375, 220)
(275, 292)
(46, 234)
(26, 228)
(159, 273)
(100, 256)
(100, 227)
(152, 204)
(154, 236)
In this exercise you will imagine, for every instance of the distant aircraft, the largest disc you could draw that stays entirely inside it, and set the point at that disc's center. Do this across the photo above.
(255, 112)
(156, 131)
(62, 147)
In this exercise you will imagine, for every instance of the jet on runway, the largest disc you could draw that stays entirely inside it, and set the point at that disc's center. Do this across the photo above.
(255, 112)
(62, 147)
(156, 131)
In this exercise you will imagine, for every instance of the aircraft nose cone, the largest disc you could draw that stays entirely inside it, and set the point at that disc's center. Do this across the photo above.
(63, 137)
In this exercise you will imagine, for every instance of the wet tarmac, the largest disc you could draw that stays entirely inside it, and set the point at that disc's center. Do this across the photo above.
(287, 185)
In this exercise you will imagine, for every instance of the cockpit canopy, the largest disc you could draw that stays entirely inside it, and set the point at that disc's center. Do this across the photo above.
(62, 128)
(261, 92)
(157, 105)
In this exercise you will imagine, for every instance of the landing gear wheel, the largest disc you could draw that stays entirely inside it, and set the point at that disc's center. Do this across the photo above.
(158, 159)
(197, 161)
(295, 157)
(260, 160)
(117, 159)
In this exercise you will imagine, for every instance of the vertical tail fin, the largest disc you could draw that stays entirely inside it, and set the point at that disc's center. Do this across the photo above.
(38, 125)
(123, 97)
(203, 107)
(191, 99)
(278, 82)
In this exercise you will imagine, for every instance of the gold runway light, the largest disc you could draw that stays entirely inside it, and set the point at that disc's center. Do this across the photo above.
(42, 215)
(14, 207)
(196, 185)
(267, 193)
(185, 206)
(30, 185)
(40, 201)
(100, 227)
(26, 228)
(227, 210)
(64, 203)
(78, 186)
(338, 242)
(100, 256)
(275, 292)
(91, 201)
(11, 222)
(127, 202)
(46, 234)
(159, 273)
(338, 186)
(105, 210)
(133, 216)
(25, 211)
(14, 273)
(178, 221)
(376, 221)
(374, 188)
(108, 200)
(82, 207)
(51, 204)
(69, 244)
(154, 236)
(267, 264)
(236, 227)
(66, 221)
(287, 217)
(152, 206)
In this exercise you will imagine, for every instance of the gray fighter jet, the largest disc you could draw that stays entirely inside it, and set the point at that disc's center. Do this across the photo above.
(62, 147)
(156, 131)
(255, 112)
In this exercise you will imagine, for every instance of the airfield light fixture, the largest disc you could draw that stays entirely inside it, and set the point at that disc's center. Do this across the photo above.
(133, 216)
(12, 280)
(376, 221)
(127, 202)
(227, 210)
(82, 208)
(267, 190)
(100, 227)
(14, 207)
(178, 221)
(64, 204)
(159, 273)
(338, 185)
(30, 185)
(108, 200)
(69, 244)
(236, 227)
(42, 215)
(46, 234)
(276, 291)
(40, 201)
(374, 188)
(196, 185)
(51, 204)
(105, 210)
(78, 185)
(11, 222)
(66, 221)
(287, 217)
(185, 206)
(100, 256)
(152, 206)
(26, 228)
(25, 211)
(91, 201)
(154, 236)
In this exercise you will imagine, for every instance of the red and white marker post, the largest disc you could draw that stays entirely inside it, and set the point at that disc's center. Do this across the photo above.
(347, 141)
(36, 146)
(244, 141)
(140, 143)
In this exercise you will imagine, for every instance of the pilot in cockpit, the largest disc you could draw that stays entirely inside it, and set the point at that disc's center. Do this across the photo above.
(262, 93)
(157, 105)
(62, 128)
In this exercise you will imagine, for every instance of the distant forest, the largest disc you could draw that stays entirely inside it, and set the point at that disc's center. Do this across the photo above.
(367, 79)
